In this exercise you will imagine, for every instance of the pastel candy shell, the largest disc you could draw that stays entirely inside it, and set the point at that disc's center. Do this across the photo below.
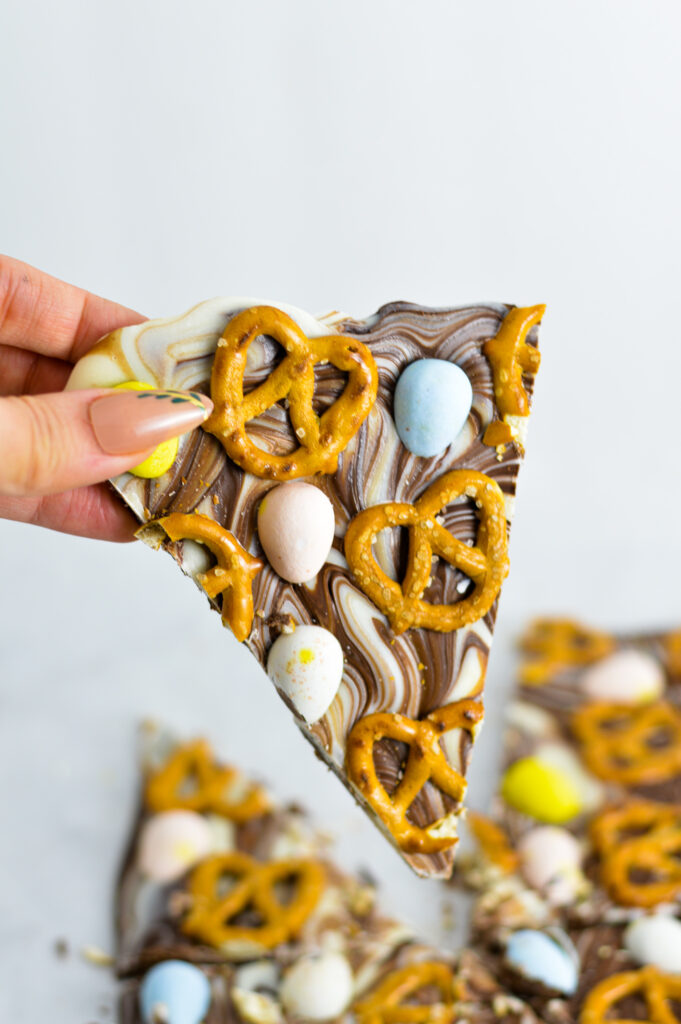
(306, 666)
(432, 401)
(171, 842)
(174, 992)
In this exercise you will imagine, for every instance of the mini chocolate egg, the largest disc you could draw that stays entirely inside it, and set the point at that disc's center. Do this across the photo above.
(163, 456)
(625, 677)
(550, 860)
(318, 987)
(655, 940)
(540, 791)
(174, 992)
(306, 666)
(540, 957)
(432, 401)
(171, 842)
(296, 525)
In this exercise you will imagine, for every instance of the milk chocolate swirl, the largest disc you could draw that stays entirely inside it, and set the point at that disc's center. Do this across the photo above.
(419, 670)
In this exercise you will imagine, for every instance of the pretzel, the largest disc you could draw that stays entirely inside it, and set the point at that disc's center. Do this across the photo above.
(655, 987)
(640, 837)
(322, 438)
(493, 842)
(426, 761)
(190, 780)
(388, 1003)
(232, 576)
(511, 355)
(556, 644)
(619, 742)
(254, 888)
(486, 564)
(672, 644)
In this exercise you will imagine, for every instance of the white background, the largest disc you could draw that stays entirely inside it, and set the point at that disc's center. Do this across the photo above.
(333, 155)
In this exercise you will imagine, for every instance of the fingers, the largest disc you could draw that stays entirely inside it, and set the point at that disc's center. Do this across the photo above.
(25, 373)
(94, 512)
(45, 315)
(59, 442)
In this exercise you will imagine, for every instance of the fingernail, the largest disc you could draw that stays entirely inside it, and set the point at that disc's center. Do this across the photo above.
(125, 422)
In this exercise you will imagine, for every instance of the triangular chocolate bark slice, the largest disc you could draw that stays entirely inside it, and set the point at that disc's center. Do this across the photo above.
(387, 450)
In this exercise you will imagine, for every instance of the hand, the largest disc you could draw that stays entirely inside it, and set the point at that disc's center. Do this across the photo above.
(56, 447)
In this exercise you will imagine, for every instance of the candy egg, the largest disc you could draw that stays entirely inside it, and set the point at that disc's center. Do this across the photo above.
(174, 992)
(550, 859)
(318, 987)
(171, 842)
(163, 456)
(296, 525)
(538, 957)
(307, 667)
(541, 791)
(626, 677)
(657, 941)
(432, 401)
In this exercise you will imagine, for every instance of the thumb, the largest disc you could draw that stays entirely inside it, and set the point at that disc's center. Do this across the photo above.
(52, 443)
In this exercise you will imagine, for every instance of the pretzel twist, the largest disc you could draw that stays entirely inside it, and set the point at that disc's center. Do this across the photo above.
(640, 849)
(511, 355)
(493, 841)
(190, 780)
(426, 762)
(388, 1003)
(232, 576)
(323, 438)
(656, 988)
(672, 645)
(556, 644)
(486, 564)
(621, 743)
(254, 889)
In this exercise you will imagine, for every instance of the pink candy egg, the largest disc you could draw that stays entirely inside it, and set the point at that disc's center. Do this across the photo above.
(550, 860)
(625, 677)
(296, 526)
(172, 842)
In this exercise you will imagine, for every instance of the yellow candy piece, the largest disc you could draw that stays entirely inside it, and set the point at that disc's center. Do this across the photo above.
(541, 791)
(162, 457)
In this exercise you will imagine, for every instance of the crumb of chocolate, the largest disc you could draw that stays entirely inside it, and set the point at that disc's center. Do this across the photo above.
(61, 948)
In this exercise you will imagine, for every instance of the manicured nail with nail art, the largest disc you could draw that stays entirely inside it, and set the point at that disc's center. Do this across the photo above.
(132, 420)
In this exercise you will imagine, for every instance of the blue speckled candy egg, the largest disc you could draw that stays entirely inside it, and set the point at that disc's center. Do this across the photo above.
(176, 992)
(432, 402)
(541, 958)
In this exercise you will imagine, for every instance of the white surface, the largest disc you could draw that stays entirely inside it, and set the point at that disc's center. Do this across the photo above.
(333, 155)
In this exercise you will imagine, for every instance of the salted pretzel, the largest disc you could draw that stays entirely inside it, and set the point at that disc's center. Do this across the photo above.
(190, 780)
(426, 762)
(322, 438)
(232, 576)
(621, 742)
(640, 849)
(656, 988)
(253, 889)
(493, 842)
(486, 564)
(511, 355)
(389, 1001)
(672, 646)
(555, 644)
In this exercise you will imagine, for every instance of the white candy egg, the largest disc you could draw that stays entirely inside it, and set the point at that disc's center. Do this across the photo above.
(318, 987)
(171, 842)
(626, 677)
(296, 526)
(550, 859)
(306, 666)
(657, 941)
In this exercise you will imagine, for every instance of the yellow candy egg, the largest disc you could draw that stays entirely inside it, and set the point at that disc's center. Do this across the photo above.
(541, 791)
(163, 456)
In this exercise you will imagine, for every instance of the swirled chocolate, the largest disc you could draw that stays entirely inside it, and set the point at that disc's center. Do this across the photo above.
(412, 673)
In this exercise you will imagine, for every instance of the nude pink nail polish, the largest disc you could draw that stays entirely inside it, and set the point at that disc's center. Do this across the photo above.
(125, 422)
